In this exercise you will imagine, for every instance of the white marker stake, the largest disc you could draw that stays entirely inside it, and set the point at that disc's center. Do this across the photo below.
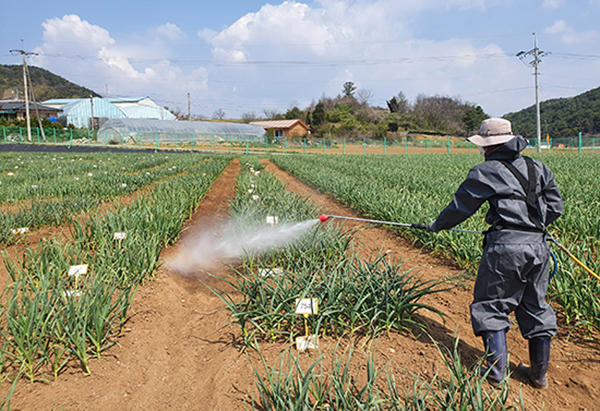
(21, 230)
(267, 272)
(306, 307)
(120, 237)
(71, 293)
(305, 343)
(78, 270)
(272, 220)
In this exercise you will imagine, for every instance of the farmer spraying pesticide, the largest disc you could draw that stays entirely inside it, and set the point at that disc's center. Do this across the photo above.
(513, 274)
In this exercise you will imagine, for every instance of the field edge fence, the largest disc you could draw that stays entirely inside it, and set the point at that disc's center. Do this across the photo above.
(246, 144)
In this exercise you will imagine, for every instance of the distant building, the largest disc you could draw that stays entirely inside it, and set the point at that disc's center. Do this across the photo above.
(285, 128)
(142, 107)
(15, 110)
(78, 111)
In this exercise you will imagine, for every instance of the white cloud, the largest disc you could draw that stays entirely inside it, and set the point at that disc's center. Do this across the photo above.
(554, 4)
(568, 35)
(88, 55)
(371, 44)
(559, 27)
(75, 34)
(292, 24)
(171, 32)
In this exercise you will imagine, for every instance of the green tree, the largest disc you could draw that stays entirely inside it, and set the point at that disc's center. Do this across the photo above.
(294, 113)
(318, 116)
(398, 104)
(473, 118)
(348, 89)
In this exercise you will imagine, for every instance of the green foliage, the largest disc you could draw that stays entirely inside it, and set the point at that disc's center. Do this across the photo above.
(473, 118)
(300, 384)
(355, 296)
(49, 317)
(416, 188)
(294, 113)
(318, 115)
(561, 117)
(348, 89)
(398, 104)
(46, 85)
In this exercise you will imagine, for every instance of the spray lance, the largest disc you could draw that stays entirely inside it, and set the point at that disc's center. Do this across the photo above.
(549, 238)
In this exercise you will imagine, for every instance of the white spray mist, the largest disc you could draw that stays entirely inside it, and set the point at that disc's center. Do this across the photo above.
(212, 245)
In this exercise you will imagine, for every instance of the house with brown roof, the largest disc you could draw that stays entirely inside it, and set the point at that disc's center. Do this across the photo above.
(285, 128)
(15, 110)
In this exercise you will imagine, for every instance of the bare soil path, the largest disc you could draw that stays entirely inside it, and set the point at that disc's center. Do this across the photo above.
(178, 351)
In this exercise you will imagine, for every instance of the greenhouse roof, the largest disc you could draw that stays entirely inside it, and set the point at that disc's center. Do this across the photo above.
(126, 99)
(168, 126)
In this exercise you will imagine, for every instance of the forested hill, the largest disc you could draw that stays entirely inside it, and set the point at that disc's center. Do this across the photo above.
(561, 117)
(45, 84)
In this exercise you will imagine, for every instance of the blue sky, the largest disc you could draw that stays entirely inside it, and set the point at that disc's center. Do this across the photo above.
(250, 56)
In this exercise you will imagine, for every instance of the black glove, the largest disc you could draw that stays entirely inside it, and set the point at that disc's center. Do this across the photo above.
(430, 227)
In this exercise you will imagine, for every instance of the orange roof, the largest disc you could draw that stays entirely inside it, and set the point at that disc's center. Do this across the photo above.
(279, 123)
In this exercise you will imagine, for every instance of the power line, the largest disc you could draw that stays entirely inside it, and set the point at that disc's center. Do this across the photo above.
(280, 63)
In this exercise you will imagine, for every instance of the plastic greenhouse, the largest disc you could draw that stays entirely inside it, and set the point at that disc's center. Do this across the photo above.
(134, 130)
(79, 111)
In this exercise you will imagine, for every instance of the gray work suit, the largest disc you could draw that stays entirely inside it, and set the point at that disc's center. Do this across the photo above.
(514, 267)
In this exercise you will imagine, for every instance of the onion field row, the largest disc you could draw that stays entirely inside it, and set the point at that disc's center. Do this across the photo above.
(39, 190)
(354, 297)
(50, 316)
(414, 189)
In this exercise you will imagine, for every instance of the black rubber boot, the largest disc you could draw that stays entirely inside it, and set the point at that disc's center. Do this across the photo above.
(539, 357)
(497, 358)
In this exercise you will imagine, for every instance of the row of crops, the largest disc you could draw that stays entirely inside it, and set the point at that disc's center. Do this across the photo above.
(48, 317)
(414, 189)
(355, 298)
(39, 190)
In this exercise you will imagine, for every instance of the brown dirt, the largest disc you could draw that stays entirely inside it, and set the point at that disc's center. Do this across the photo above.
(179, 352)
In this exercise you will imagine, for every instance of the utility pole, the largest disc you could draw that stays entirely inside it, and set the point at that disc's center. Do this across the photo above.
(25, 54)
(524, 56)
(189, 109)
(37, 112)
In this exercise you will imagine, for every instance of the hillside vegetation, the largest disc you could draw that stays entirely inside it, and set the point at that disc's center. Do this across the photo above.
(350, 115)
(561, 117)
(46, 85)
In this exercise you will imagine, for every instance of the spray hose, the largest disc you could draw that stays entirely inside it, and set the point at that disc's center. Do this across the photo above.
(549, 238)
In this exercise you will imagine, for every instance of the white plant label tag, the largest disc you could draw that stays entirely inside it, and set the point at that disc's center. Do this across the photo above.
(307, 306)
(78, 270)
(255, 197)
(120, 236)
(272, 220)
(71, 293)
(266, 272)
(306, 343)
(21, 230)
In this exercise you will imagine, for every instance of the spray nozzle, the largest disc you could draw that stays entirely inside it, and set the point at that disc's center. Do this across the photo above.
(323, 218)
